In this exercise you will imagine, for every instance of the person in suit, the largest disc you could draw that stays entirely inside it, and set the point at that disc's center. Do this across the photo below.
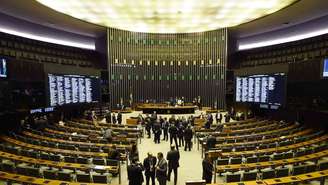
(181, 134)
(108, 117)
(210, 142)
(161, 169)
(173, 130)
(114, 154)
(113, 118)
(173, 157)
(119, 118)
(149, 164)
(207, 169)
(135, 176)
(188, 137)
(165, 128)
(157, 132)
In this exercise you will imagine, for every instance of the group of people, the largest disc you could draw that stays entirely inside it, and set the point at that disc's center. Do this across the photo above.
(113, 119)
(177, 129)
(159, 168)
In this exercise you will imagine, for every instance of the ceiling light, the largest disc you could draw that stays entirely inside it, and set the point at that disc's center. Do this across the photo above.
(188, 15)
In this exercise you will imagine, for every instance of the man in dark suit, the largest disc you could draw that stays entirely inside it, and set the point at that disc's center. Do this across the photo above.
(108, 117)
(207, 169)
(188, 137)
(165, 127)
(173, 157)
(161, 169)
(157, 132)
(149, 166)
(135, 176)
(210, 142)
(173, 130)
(119, 118)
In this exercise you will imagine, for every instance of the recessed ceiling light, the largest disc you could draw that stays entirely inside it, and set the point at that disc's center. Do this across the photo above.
(188, 15)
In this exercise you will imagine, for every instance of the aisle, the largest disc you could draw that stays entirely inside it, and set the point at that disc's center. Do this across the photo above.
(190, 162)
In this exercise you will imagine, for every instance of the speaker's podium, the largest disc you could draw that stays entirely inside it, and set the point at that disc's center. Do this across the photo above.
(196, 182)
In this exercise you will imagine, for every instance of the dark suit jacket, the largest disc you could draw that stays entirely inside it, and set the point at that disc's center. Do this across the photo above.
(207, 169)
(173, 157)
(188, 134)
(161, 172)
(135, 174)
(147, 166)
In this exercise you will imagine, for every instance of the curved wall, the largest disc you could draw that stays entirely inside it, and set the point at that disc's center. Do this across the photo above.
(159, 66)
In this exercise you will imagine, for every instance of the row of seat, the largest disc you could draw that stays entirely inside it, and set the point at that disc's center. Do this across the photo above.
(274, 173)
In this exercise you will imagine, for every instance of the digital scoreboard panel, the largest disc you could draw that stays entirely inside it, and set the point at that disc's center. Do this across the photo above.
(72, 89)
(262, 89)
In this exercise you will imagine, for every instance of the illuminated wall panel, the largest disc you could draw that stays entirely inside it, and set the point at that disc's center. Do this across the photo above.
(160, 66)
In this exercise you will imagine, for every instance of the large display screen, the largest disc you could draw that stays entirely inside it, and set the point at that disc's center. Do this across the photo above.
(72, 89)
(325, 68)
(3, 68)
(262, 89)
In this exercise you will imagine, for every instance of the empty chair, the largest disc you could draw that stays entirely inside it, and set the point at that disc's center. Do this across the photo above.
(298, 170)
(70, 159)
(83, 178)
(226, 149)
(55, 158)
(99, 179)
(288, 155)
(232, 178)
(21, 170)
(310, 168)
(282, 172)
(235, 160)
(7, 167)
(98, 161)
(251, 160)
(44, 156)
(50, 174)
(251, 147)
(323, 165)
(64, 176)
(249, 176)
(112, 162)
(222, 162)
(278, 156)
(269, 174)
(34, 172)
(239, 149)
(82, 160)
(94, 149)
(264, 158)
(84, 148)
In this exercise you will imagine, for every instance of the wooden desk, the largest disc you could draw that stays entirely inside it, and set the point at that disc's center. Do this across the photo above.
(75, 142)
(168, 109)
(38, 181)
(53, 150)
(282, 180)
(112, 169)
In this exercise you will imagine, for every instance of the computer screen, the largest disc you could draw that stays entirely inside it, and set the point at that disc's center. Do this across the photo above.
(262, 89)
(3, 68)
(325, 68)
(73, 89)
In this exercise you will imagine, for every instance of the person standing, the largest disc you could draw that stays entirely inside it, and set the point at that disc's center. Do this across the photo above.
(173, 157)
(157, 132)
(188, 137)
(207, 169)
(161, 169)
(165, 129)
(113, 118)
(108, 135)
(108, 117)
(180, 134)
(119, 118)
(135, 176)
(173, 135)
(149, 166)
